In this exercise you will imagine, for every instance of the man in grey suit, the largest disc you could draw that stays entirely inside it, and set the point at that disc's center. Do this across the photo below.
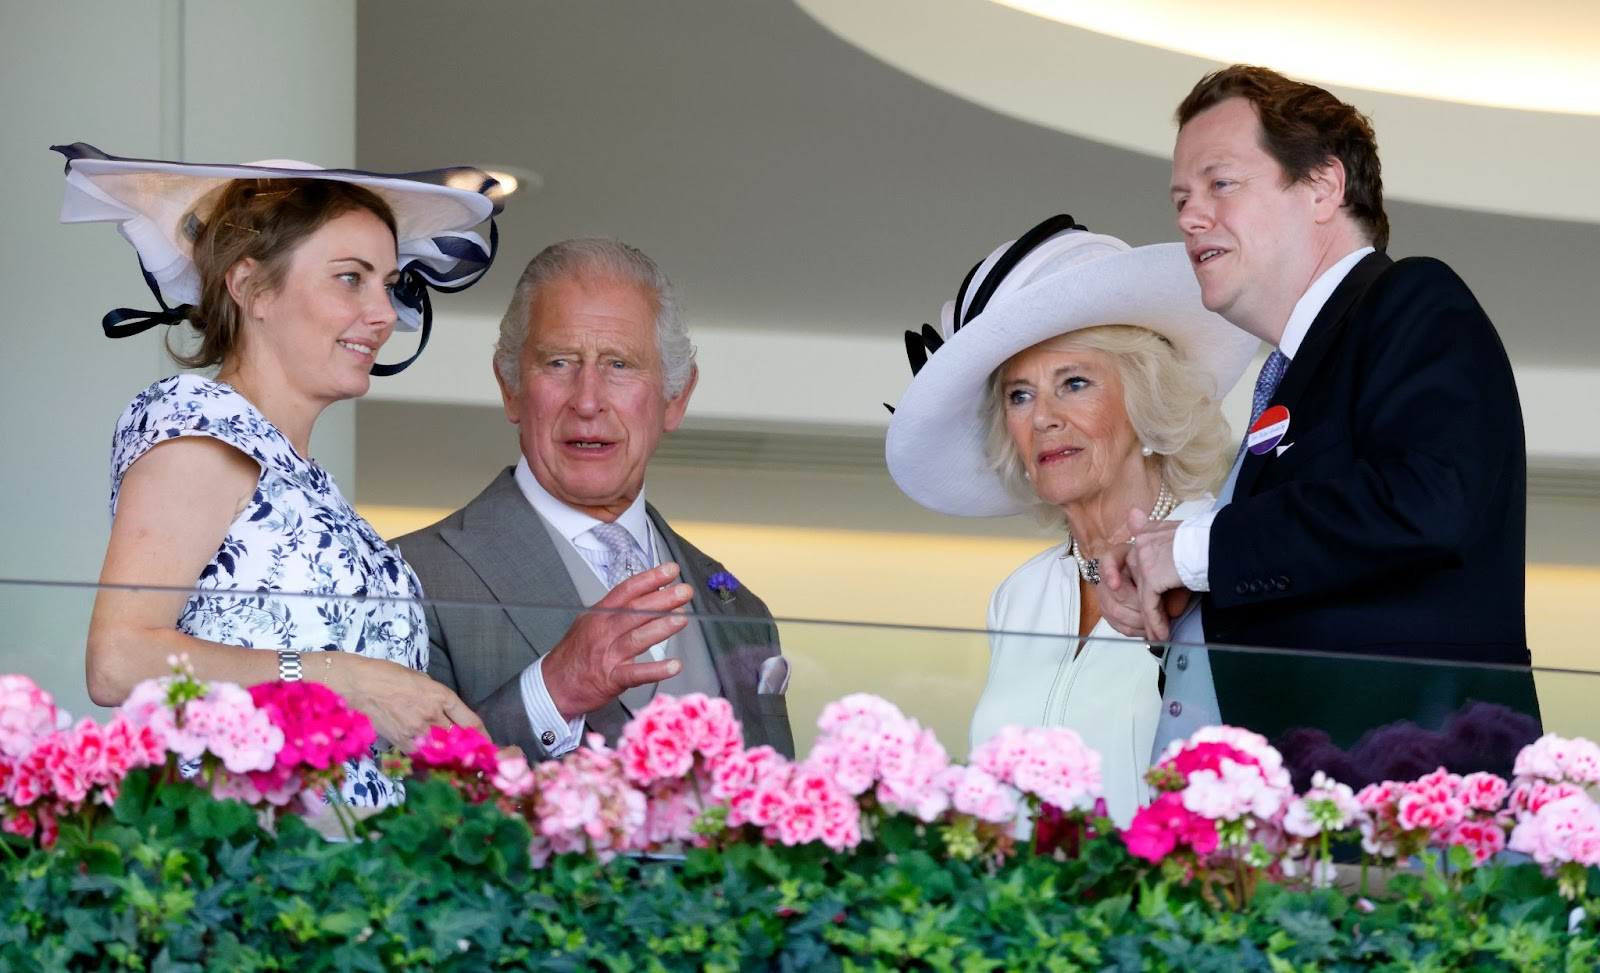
(594, 365)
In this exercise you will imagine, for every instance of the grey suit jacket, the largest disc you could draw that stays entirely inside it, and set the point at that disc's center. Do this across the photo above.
(495, 550)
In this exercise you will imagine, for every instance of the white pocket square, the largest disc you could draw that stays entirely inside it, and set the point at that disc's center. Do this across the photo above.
(774, 679)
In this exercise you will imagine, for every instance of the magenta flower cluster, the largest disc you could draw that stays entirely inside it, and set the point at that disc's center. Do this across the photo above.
(268, 746)
(319, 733)
(1222, 795)
(1223, 791)
(274, 745)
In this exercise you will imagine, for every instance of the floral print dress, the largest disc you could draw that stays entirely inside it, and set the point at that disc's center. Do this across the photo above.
(295, 540)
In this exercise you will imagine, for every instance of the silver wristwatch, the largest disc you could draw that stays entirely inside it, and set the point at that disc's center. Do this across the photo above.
(289, 666)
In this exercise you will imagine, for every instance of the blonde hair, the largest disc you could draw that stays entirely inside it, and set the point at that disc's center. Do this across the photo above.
(1170, 404)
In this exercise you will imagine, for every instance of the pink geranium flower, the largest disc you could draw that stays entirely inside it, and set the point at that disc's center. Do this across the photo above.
(748, 783)
(1557, 758)
(979, 794)
(668, 736)
(1165, 825)
(1222, 790)
(584, 803)
(27, 714)
(866, 744)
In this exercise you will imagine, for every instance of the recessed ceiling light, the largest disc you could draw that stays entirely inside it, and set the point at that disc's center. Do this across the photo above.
(515, 178)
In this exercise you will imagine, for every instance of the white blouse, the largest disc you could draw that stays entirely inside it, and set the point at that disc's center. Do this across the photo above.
(1107, 691)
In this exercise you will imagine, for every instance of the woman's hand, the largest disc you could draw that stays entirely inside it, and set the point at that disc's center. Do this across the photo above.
(402, 703)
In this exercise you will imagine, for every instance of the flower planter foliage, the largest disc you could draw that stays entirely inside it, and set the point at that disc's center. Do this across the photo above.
(778, 870)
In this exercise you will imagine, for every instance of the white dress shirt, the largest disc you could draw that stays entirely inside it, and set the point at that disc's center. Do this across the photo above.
(575, 526)
(1191, 546)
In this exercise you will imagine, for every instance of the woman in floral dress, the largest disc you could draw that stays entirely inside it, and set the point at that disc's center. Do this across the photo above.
(294, 278)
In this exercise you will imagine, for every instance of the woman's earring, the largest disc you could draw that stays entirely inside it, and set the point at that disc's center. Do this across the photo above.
(1146, 452)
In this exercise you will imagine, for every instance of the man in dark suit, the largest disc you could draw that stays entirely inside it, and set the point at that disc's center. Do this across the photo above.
(594, 366)
(1379, 501)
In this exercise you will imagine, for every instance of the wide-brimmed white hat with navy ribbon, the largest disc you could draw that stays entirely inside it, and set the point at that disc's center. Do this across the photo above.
(154, 205)
(1056, 278)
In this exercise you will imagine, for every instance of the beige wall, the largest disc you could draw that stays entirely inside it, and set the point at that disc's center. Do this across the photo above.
(135, 78)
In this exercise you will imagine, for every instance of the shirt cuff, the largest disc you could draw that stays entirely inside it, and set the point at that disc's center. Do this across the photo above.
(1191, 551)
(555, 735)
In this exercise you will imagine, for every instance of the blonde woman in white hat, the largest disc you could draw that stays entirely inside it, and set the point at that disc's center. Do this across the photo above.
(294, 278)
(1078, 378)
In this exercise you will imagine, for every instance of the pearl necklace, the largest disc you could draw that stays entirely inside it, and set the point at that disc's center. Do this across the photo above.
(1089, 567)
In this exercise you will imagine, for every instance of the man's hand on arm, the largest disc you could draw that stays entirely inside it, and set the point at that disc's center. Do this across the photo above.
(1142, 584)
(594, 663)
(1117, 594)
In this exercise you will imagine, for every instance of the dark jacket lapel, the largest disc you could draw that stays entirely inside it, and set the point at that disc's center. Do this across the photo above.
(1320, 340)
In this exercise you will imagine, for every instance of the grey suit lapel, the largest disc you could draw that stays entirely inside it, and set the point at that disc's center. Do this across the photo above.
(722, 628)
(505, 542)
(696, 569)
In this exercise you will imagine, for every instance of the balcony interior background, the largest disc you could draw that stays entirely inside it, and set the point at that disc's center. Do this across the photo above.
(814, 180)
(811, 202)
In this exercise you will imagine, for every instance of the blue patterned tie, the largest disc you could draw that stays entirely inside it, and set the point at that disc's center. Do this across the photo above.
(625, 561)
(1266, 383)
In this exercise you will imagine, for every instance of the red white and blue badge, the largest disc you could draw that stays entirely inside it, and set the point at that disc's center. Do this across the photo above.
(1268, 430)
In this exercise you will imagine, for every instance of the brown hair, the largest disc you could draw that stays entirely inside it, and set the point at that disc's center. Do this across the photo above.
(262, 220)
(1302, 125)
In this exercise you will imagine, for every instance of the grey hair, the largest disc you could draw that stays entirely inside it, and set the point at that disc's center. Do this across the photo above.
(1170, 402)
(597, 257)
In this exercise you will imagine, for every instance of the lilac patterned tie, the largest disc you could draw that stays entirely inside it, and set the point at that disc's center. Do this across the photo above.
(625, 561)
(1266, 383)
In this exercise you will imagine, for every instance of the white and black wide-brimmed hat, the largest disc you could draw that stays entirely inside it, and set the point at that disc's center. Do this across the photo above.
(1056, 278)
(156, 206)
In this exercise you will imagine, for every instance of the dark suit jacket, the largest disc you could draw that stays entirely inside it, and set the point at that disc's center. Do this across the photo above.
(1393, 525)
(495, 550)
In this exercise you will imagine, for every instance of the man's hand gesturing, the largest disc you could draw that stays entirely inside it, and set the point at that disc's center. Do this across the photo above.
(595, 662)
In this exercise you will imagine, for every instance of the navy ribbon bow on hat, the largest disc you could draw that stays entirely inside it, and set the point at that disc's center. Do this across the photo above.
(416, 277)
(124, 322)
(922, 344)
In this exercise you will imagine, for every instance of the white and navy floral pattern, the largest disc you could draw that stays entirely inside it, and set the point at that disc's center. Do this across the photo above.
(296, 542)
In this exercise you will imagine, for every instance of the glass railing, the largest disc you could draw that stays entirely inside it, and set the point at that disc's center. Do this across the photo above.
(1324, 710)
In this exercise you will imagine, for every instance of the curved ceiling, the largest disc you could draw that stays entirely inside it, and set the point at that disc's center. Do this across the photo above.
(1541, 55)
(1089, 79)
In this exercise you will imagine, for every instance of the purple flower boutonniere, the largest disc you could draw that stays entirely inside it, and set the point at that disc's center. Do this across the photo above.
(724, 584)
